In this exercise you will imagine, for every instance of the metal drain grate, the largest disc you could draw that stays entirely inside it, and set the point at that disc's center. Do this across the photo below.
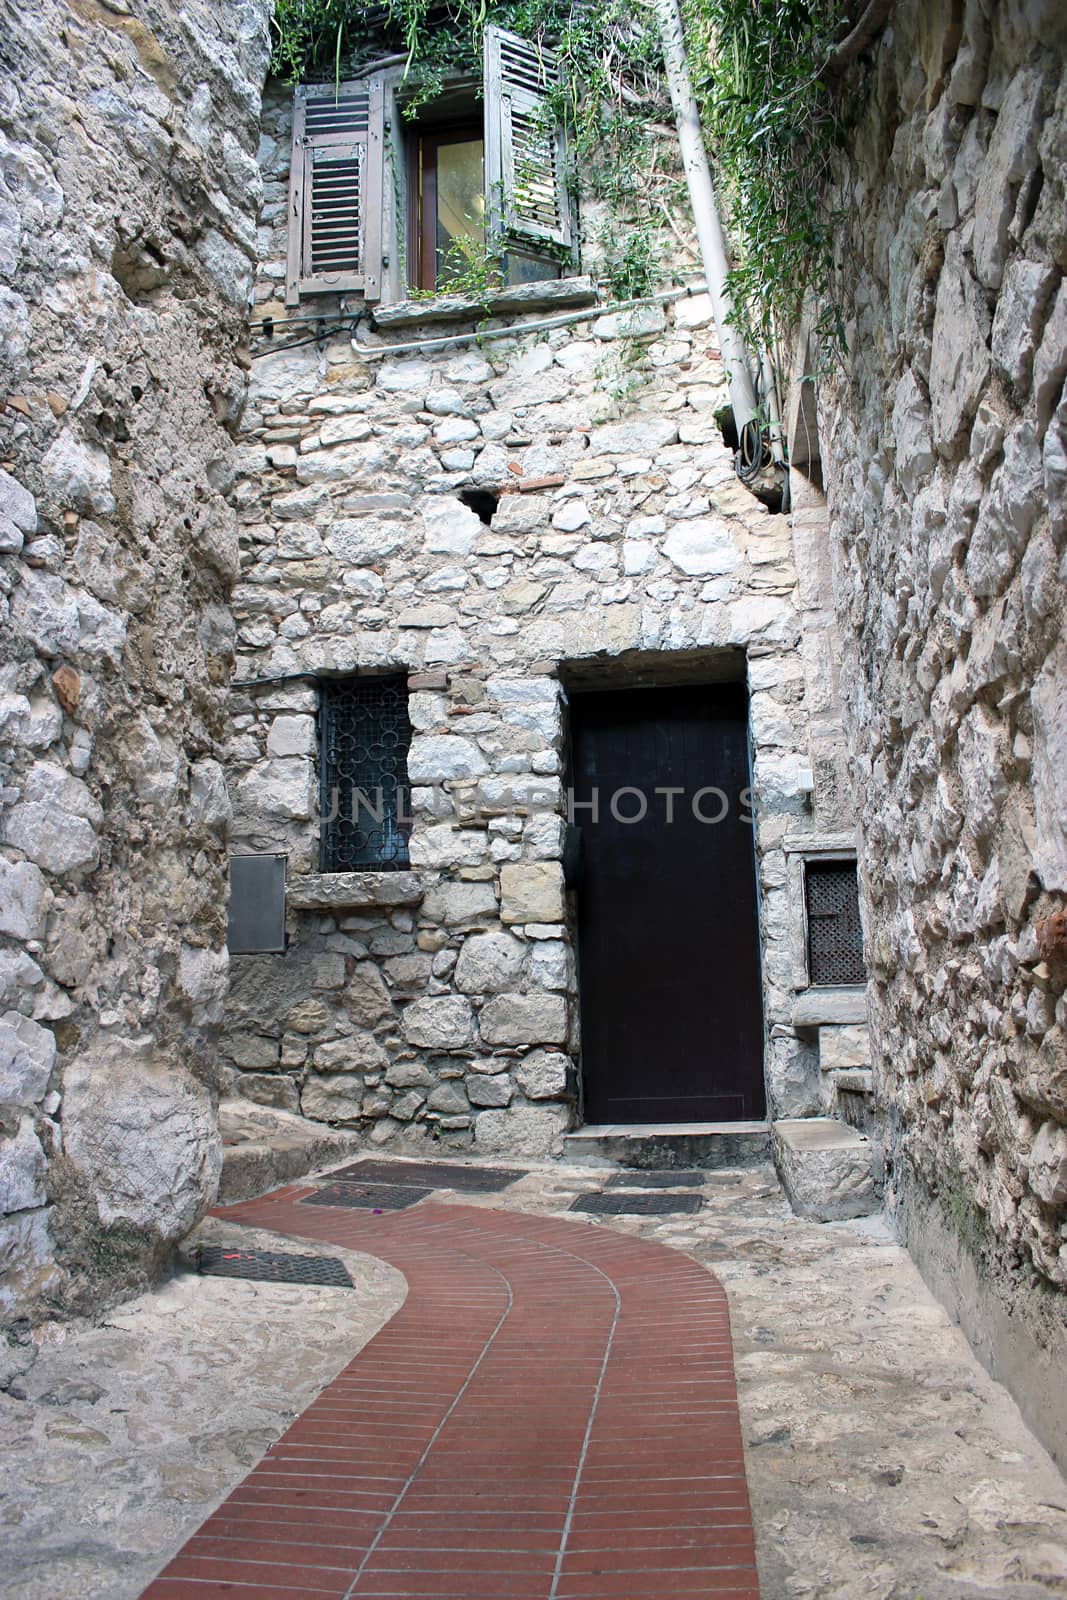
(644, 1205)
(365, 1196)
(271, 1266)
(655, 1180)
(429, 1174)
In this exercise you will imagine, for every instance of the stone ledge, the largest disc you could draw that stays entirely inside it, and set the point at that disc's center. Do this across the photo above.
(815, 1007)
(854, 1080)
(335, 891)
(829, 1171)
(547, 296)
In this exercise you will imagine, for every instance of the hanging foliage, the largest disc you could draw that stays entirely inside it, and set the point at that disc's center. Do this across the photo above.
(773, 126)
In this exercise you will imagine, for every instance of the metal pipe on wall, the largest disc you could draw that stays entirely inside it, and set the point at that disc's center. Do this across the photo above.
(705, 212)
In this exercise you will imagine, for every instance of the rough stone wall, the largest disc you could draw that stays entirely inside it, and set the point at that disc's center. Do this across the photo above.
(944, 443)
(128, 192)
(622, 538)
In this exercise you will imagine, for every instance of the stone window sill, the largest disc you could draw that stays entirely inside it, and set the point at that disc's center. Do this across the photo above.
(352, 891)
(550, 296)
(816, 1008)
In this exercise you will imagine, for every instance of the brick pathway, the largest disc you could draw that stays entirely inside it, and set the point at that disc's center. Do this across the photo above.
(550, 1416)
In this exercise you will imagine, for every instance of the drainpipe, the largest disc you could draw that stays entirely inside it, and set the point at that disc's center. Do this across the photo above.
(705, 213)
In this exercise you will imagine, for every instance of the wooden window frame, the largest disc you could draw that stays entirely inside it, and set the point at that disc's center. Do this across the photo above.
(422, 195)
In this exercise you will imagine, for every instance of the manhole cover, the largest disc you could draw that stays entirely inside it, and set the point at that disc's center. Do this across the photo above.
(429, 1174)
(271, 1266)
(365, 1196)
(646, 1205)
(655, 1180)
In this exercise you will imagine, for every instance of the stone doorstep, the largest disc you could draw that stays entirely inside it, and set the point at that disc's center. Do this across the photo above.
(264, 1148)
(666, 1145)
(829, 1171)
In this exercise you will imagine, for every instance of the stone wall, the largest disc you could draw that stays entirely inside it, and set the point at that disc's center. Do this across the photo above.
(128, 191)
(944, 444)
(622, 545)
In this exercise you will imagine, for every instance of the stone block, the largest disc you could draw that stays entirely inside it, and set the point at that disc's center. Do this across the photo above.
(78, 475)
(22, 1169)
(450, 527)
(544, 1075)
(334, 891)
(143, 1134)
(27, 1055)
(356, 1052)
(278, 788)
(274, 1089)
(959, 359)
(488, 963)
(450, 1099)
(17, 504)
(524, 1019)
(531, 892)
(332, 1099)
(444, 1023)
(435, 758)
(844, 1046)
(814, 1007)
(1048, 1164)
(456, 904)
(253, 1052)
(27, 1263)
(489, 1091)
(1048, 698)
(533, 1131)
(828, 1170)
(291, 736)
(645, 435)
(25, 899)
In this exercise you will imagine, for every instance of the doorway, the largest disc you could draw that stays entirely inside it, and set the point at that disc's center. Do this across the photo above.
(668, 932)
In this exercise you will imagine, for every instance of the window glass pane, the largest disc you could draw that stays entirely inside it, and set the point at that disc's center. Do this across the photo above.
(460, 207)
(528, 269)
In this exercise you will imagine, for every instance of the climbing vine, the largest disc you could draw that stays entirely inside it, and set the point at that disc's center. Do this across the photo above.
(773, 124)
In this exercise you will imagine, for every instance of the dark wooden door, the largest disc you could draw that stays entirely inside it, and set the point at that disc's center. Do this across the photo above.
(669, 971)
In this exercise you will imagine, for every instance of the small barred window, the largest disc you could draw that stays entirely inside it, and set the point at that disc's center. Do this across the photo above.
(835, 936)
(365, 797)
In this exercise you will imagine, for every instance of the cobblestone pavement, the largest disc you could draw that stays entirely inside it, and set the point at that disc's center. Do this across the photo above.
(883, 1463)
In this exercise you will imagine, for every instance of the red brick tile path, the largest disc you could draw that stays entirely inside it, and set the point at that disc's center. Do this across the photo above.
(551, 1415)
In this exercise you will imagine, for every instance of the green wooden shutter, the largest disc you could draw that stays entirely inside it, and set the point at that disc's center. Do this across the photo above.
(525, 149)
(336, 191)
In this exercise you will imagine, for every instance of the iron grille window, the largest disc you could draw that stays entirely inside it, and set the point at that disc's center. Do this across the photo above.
(835, 937)
(365, 796)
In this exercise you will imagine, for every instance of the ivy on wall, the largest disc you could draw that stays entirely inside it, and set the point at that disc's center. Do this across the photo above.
(773, 124)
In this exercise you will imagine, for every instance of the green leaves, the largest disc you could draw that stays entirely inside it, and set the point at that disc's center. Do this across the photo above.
(772, 128)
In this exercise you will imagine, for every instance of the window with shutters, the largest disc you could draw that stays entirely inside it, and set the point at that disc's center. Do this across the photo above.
(335, 190)
(380, 205)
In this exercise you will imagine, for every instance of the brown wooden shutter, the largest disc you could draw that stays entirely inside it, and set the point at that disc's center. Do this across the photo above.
(336, 190)
(525, 151)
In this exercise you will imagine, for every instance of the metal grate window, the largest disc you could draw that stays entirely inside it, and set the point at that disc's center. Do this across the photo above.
(364, 792)
(835, 937)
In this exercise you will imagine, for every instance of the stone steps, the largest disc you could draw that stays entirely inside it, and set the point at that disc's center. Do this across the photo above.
(263, 1148)
(665, 1145)
(829, 1171)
